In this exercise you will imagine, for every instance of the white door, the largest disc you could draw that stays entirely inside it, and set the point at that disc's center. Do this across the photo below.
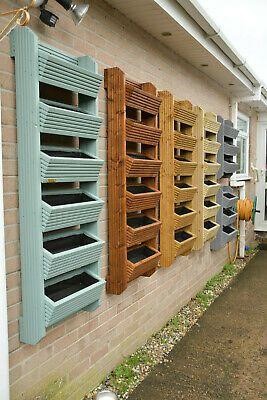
(261, 184)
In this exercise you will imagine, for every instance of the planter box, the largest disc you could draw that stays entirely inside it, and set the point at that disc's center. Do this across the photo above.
(211, 147)
(71, 295)
(184, 115)
(140, 133)
(56, 71)
(223, 238)
(211, 168)
(141, 260)
(141, 228)
(228, 216)
(210, 230)
(184, 142)
(183, 242)
(69, 208)
(183, 167)
(138, 165)
(211, 125)
(64, 253)
(210, 188)
(229, 200)
(229, 149)
(141, 100)
(229, 233)
(210, 209)
(183, 216)
(183, 192)
(229, 167)
(141, 197)
(68, 166)
(59, 120)
(229, 131)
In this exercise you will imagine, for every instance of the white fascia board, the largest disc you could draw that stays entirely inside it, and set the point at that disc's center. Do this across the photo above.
(181, 17)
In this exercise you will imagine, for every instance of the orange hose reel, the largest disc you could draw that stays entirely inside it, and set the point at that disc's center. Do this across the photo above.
(245, 209)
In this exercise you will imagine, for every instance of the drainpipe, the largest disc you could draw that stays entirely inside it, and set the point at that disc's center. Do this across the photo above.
(4, 370)
(238, 184)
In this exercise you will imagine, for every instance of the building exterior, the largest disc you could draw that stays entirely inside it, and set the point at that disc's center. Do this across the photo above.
(174, 46)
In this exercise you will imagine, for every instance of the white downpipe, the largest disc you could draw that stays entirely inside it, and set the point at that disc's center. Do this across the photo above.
(4, 364)
(239, 184)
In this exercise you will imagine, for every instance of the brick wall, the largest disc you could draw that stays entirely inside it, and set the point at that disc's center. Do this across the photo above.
(77, 353)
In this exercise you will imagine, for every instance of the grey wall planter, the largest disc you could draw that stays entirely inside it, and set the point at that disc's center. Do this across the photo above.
(64, 252)
(60, 302)
(228, 149)
(67, 208)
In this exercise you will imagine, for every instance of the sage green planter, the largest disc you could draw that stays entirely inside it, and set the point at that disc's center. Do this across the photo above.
(68, 165)
(57, 310)
(65, 252)
(61, 121)
(73, 212)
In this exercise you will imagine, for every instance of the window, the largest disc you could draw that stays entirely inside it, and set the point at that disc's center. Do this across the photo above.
(242, 157)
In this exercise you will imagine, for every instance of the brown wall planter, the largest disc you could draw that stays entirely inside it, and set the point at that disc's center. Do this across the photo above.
(140, 133)
(139, 165)
(141, 260)
(183, 167)
(141, 197)
(142, 100)
(141, 228)
(183, 242)
(183, 192)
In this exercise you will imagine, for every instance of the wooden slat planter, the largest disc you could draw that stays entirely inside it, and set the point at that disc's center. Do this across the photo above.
(210, 230)
(141, 228)
(183, 242)
(68, 166)
(137, 165)
(211, 168)
(184, 168)
(229, 200)
(141, 260)
(210, 188)
(71, 295)
(58, 120)
(183, 192)
(211, 147)
(183, 216)
(228, 216)
(184, 115)
(140, 133)
(210, 209)
(69, 208)
(133, 168)
(210, 123)
(65, 252)
(141, 197)
(184, 142)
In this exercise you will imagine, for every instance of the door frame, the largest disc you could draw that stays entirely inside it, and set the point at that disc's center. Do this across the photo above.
(260, 221)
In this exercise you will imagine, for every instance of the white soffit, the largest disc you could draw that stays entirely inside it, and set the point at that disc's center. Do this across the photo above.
(187, 39)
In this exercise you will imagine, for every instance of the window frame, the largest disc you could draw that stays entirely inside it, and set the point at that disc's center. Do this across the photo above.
(245, 135)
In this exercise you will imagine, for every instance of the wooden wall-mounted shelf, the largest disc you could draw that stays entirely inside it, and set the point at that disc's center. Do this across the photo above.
(133, 169)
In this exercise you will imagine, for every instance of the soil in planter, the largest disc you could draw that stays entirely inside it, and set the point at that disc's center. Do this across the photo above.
(209, 224)
(182, 185)
(139, 221)
(139, 254)
(209, 183)
(228, 229)
(138, 156)
(228, 212)
(67, 243)
(228, 140)
(181, 236)
(64, 199)
(68, 154)
(229, 159)
(179, 158)
(229, 195)
(139, 189)
(208, 204)
(182, 210)
(65, 288)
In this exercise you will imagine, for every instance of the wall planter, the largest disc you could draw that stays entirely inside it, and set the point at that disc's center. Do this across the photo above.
(141, 260)
(59, 120)
(69, 208)
(184, 142)
(229, 232)
(211, 147)
(139, 165)
(210, 230)
(141, 197)
(56, 143)
(229, 166)
(133, 168)
(147, 134)
(183, 192)
(229, 199)
(210, 208)
(210, 188)
(68, 165)
(141, 228)
(211, 168)
(184, 167)
(228, 150)
(183, 216)
(65, 252)
(71, 295)
(183, 242)
(229, 216)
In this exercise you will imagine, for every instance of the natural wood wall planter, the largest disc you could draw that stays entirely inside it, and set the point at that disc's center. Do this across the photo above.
(133, 169)
(180, 179)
